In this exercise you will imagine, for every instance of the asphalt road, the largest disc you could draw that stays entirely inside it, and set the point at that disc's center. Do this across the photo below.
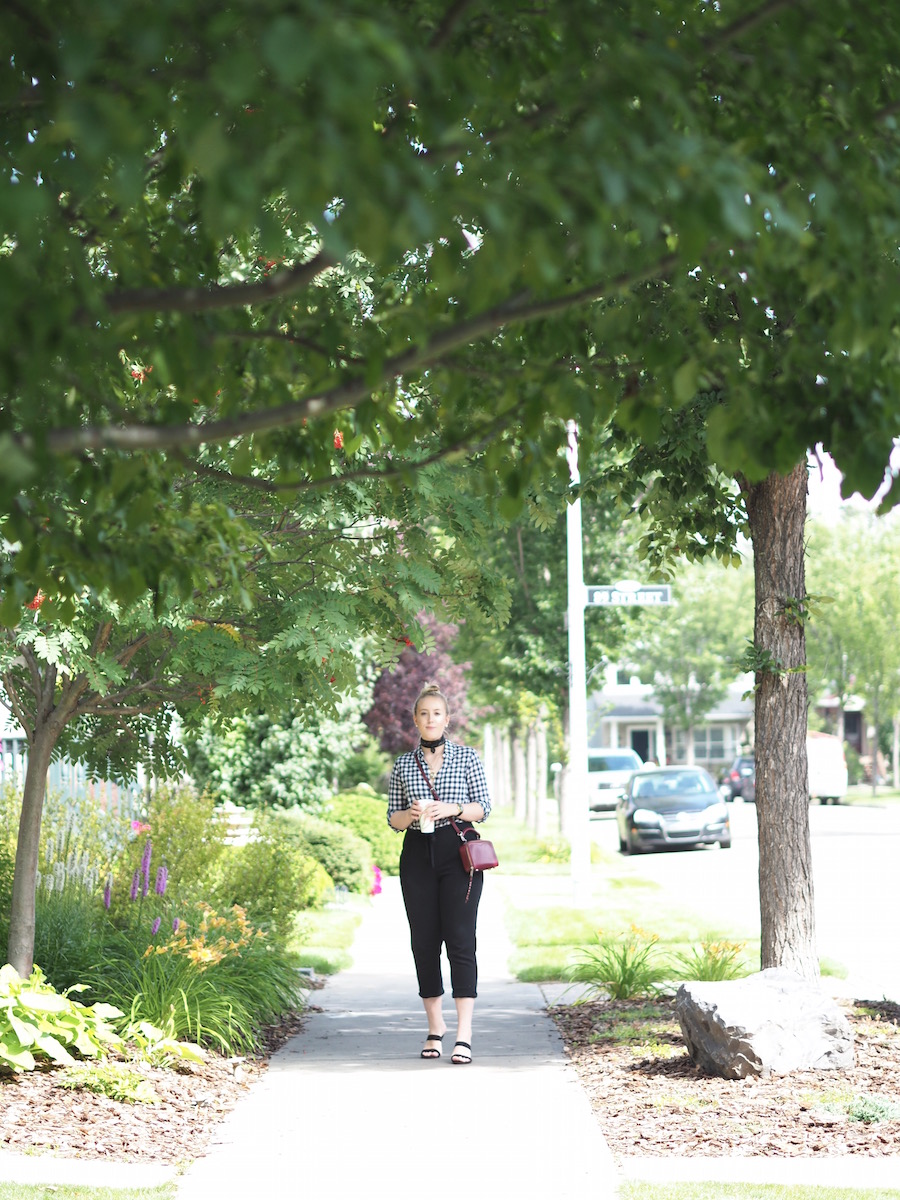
(856, 875)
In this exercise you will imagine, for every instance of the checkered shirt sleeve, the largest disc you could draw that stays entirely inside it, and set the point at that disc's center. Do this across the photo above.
(461, 780)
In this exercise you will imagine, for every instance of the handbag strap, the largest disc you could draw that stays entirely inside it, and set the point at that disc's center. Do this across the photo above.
(425, 777)
(462, 837)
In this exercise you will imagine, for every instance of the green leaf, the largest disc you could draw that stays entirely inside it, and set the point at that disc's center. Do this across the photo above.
(16, 1055)
(685, 381)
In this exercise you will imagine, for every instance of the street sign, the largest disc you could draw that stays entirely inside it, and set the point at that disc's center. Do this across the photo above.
(626, 592)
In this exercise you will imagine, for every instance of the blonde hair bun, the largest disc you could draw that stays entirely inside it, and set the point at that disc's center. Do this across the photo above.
(428, 691)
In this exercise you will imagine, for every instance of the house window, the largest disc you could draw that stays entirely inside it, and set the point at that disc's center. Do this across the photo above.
(709, 743)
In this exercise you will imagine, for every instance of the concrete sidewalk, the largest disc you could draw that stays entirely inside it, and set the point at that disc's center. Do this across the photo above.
(348, 1107)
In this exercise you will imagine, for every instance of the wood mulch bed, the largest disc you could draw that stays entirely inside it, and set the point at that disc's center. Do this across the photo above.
(37, 1114)
(650, 1099)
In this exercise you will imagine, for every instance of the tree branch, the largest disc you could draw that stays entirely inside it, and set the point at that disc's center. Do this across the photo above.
(198, 299)
(18, 709)
(275, 335)
(34, 671)
(746, 22)
(463, 446)
(124, 657)
(353, 392)
(445, 29)
(49, 688)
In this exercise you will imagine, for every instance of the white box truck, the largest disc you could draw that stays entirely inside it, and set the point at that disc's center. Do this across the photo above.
(827, 767)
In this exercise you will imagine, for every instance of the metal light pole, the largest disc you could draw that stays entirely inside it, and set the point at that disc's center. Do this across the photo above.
(579, 815)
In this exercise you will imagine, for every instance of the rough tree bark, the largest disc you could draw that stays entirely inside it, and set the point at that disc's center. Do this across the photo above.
(20, 948)
(777, 512)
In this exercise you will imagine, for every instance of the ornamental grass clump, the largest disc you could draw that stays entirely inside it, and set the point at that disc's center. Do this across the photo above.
(213, 980)
(620, 966)
(711, 962)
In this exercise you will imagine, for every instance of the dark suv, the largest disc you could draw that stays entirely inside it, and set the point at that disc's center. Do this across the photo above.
(740, 779)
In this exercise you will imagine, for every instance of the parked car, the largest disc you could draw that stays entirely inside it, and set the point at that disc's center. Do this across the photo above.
(740, 779)
(672, 806)
(827, 767)
(608, 772)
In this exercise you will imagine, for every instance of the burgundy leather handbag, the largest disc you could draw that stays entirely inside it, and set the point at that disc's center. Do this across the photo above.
(476, 852)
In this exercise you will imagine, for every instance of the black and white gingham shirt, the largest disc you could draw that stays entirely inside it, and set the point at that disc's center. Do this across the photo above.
(460, 780)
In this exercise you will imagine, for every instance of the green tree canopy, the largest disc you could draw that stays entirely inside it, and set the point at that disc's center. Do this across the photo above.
(233, 224)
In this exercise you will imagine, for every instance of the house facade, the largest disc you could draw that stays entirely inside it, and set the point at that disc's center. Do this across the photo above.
(625, 713)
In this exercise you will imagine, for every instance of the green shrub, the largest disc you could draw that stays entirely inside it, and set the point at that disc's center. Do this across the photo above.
(346, 857)
(35, 1020)
(214, 981)
(68, 934)
(115, 1080)
(189, 835)
(621, 967)
(368, 765)
(273, 878)
(855, 772)
(365, 813)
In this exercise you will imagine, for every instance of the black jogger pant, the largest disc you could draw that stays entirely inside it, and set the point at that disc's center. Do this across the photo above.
(434, 884)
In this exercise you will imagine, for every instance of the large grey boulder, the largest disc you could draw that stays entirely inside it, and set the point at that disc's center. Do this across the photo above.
(770, 1023)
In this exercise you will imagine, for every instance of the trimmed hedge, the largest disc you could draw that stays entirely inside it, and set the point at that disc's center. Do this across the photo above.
(347, 858)
(365, 813)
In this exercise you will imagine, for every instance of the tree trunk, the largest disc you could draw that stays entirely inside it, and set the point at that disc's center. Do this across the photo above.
(777, 512)
(541, 774)
(876, 717)
(519, 776)
(20, 950)
(689, 745)
(534, 818)
(501, 794)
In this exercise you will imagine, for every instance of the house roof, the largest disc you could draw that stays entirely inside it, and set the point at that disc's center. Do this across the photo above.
(636, 700)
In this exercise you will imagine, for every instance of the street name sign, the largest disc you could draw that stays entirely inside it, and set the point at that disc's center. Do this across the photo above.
(626, 592)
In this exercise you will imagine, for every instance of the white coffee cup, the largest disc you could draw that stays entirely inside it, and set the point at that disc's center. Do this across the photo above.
(426, 824)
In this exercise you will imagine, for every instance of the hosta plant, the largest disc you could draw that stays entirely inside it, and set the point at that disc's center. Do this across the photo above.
(37, 1022)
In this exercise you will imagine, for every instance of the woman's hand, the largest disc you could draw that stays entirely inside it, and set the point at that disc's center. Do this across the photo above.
(422, 808)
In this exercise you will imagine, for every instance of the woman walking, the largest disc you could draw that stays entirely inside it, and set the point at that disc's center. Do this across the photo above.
(431, 787)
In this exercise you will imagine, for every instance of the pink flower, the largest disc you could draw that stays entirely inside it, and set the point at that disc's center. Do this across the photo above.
(139, 827)
(375, 889)
(338, 440)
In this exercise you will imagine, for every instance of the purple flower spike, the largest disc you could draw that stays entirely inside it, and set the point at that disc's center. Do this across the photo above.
(175, 925)
(162, 878)
(135, 883)
(154, 928)
(145, 890)
(145, 861)
(107, 896)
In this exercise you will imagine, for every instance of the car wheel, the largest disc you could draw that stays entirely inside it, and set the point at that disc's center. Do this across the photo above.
(624, 847)
(725, 843)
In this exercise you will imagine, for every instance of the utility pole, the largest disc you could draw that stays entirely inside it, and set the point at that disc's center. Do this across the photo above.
(579, 813)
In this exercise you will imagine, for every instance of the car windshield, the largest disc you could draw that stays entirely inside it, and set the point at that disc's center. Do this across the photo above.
(612, 762)
(675, 789)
